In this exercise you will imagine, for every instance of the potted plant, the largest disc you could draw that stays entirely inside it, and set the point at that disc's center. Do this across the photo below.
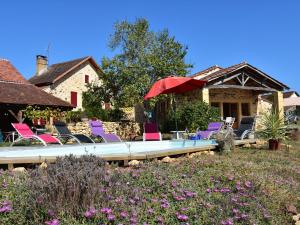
(273, 129)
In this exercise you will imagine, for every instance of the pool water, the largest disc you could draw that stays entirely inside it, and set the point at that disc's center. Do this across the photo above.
(103, 149)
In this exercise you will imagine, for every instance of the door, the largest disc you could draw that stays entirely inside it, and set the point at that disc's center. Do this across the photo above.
(231, 110)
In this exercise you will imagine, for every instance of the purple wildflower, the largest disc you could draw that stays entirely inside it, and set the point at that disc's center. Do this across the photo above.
(225, 190)
(88, 214)
(208, 190)
(227, 222)
(51, 212)
(106, 210)
(6, 208)
(190, 194)
(182, 217)
(248, 184)
(154, 200)
(174, 183)
(235, 211)
(165, 205)
(179, 198)
(150, 210)
(52, 222)
(111, 217)
(244, 216)
(133, 220)
(124, 214)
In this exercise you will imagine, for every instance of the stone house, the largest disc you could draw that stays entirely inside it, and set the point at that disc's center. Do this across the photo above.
(17, 93)
(66, 80)
(291, 102)
(237, 90)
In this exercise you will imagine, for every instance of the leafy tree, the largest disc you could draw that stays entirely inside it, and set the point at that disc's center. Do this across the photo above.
(144, 56)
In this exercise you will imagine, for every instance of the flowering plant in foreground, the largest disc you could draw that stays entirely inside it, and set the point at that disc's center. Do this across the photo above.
(204, 190)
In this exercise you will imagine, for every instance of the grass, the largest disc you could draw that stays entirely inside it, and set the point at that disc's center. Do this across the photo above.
(247, 186)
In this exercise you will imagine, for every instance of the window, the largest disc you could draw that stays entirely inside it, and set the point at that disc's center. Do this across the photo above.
(245, 109)
(74, 98)
(87, 79)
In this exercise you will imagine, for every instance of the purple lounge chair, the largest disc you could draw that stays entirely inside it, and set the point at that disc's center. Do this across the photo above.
(213, 127)
(98, 131)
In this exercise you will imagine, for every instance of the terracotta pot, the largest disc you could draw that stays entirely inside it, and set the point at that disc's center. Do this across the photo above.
(273, 144)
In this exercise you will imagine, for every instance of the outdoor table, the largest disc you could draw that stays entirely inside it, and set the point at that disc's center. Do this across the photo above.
(10, 136)
(178, 134)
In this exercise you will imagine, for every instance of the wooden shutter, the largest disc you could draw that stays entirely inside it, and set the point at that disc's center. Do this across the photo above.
(74, 98)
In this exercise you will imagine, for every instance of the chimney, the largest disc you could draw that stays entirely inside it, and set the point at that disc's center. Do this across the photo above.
(41, 64)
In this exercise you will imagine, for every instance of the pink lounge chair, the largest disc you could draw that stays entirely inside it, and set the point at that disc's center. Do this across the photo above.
(151, 132)
(26, 134)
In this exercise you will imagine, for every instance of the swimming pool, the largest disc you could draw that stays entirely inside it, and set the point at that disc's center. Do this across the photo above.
(126, 150)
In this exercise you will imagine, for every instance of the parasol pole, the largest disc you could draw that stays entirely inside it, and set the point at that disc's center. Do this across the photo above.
(175, 108)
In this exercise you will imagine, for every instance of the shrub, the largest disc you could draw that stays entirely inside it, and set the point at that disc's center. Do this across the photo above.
(69, 186)
(73, 116)
(192, 115)
(225, 141)
(115, 114)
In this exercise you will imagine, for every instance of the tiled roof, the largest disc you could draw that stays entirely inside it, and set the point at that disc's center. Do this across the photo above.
(288, 94)
(291, 101)
(16, 90)
(206, 71)
(227, 71)
(56, 71)
(27, 94)
(222, 72)
(9, 73)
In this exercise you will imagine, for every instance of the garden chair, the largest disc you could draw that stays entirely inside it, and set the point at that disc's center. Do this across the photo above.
(65, 134)
(212, 128)
(228, 123)
(151, 132)
(25, 133)
(246, 127)
(98, 131)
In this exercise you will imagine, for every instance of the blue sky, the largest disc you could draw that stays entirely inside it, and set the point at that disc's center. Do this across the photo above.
(264, 33)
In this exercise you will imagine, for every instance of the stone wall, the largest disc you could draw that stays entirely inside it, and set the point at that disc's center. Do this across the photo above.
(122, 129)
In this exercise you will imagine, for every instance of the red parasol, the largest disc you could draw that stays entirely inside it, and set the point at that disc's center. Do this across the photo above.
(176, 85)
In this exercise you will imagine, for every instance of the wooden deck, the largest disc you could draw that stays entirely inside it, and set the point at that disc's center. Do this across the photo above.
(125, 158)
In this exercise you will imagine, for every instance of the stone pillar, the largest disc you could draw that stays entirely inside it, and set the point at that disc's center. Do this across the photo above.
(278, 103)
(205, 95)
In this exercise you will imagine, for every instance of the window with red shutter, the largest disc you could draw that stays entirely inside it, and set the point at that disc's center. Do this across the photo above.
(87, 79)
(74, 98)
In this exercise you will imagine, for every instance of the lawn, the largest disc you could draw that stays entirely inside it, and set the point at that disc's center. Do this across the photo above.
(247, 186)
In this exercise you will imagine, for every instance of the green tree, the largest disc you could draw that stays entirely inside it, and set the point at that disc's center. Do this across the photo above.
(144, 56)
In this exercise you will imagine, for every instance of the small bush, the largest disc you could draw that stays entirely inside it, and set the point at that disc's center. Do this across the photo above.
(115, 115)
(225, 141)
(192, 115)
(69, 186)
(73, 116)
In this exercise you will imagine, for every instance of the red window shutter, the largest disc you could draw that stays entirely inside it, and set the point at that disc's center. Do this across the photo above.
(74, 98)
(87, 79)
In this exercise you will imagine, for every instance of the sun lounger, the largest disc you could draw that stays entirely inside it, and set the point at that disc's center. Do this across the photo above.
(213, 127)
(98, 131)
(65, 134)
(246, 127)
(151, 132)
(25, 133)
